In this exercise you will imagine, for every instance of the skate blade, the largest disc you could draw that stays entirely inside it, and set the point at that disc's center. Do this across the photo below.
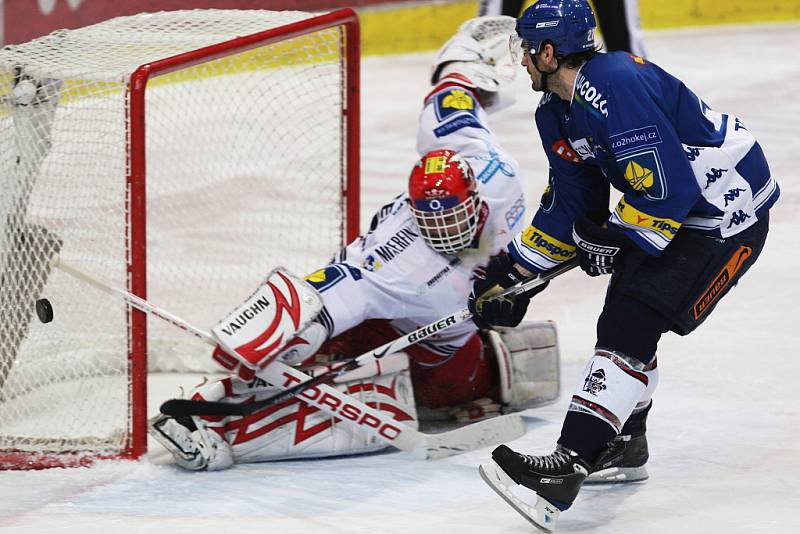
(618, 475)
(542, 514)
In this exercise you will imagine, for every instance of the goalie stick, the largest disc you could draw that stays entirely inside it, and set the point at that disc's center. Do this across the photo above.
(187, 407)
(338, 404)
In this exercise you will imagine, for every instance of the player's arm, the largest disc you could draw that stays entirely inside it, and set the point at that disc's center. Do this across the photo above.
(471, 75)
(661, 187)
(574, 189)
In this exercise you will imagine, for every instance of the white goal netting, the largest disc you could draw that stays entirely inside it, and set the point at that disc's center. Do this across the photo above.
(244, 167)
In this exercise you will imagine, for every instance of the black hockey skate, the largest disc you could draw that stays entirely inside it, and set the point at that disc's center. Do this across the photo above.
(625, 458)
(555, 480)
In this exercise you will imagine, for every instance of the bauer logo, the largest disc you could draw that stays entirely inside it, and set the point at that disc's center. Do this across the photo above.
(633, 139)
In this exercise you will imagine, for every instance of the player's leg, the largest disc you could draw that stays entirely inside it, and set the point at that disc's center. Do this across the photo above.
(648, 297)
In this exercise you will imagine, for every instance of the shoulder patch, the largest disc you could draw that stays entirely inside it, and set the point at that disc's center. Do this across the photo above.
(644, 173)
(325, 278)
(454, 101)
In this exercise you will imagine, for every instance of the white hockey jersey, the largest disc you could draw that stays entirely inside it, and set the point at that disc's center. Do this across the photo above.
(391, 273)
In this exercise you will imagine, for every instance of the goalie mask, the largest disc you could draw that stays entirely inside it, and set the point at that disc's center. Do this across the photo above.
(444, 201)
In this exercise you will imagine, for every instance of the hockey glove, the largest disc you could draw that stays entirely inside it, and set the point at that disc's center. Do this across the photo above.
(501, 273)
(599, 249)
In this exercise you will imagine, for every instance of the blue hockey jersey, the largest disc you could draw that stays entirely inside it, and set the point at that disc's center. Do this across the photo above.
(677, 163)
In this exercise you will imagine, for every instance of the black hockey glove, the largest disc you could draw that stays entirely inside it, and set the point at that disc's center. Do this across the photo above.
(599, 249)
(501, 273)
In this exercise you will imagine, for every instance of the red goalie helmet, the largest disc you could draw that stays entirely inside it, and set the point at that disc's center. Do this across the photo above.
(444, 200)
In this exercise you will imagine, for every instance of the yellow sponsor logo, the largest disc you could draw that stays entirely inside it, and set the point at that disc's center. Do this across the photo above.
(639, 177)
(662, 225)
(435, 164)
(458, 99)
(317, 276)
(547, 244)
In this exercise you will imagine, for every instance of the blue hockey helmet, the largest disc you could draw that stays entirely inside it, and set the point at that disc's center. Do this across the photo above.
(568, 24)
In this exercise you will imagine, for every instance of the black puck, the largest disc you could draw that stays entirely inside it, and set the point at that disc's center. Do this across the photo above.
(44, 310)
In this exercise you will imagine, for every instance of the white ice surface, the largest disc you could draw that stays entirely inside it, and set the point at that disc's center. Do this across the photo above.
(723, 433)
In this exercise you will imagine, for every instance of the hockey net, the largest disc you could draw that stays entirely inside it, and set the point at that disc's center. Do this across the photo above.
(181, 155)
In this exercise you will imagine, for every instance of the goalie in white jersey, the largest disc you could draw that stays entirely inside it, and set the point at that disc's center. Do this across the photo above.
(415, 265)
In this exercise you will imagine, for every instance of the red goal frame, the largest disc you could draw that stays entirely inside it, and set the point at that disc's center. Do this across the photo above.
(136, 440)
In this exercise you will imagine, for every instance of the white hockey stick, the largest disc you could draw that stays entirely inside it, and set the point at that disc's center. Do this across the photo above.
(338, 404)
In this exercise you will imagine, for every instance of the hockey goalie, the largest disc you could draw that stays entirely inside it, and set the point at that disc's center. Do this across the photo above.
(415, 264)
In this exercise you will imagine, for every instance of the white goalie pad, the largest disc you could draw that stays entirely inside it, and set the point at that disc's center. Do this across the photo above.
(293, 429)
(258, 330)
(528, 361)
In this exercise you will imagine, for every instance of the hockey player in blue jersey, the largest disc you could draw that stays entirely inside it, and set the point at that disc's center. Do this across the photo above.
(692, 219)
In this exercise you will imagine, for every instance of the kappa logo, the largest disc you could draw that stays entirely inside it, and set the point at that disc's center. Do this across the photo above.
(595, 382)
(639, 177)
(692, 152)
(713, 175)
(732, 194)
(738, 218)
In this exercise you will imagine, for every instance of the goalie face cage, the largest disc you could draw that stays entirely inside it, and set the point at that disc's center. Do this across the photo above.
(182, 155)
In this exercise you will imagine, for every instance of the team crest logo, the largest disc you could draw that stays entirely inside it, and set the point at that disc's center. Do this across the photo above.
(316, 277)
(595, 382)
(643, 172)
(458, 99)
(372, 264)
(325, 278)
(638, 177)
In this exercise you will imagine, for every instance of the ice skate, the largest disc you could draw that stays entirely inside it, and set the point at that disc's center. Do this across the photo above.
(555, 480)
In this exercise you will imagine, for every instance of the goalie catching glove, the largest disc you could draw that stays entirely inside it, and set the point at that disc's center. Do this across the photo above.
(479, 52)
(501, 273)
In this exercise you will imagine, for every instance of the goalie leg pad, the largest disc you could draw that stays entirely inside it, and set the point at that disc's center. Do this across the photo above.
(528, 363)
(295, 429)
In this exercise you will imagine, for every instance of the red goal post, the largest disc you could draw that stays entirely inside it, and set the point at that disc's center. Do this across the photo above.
(185, 179)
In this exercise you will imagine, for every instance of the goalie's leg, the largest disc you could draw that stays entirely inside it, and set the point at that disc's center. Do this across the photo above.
(292, 429)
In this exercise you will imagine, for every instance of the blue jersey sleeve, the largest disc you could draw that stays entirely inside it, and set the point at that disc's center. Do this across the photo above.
(573, 190)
